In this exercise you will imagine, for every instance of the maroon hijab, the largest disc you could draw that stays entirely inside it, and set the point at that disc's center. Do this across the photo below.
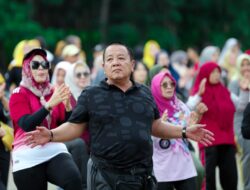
(217, 98)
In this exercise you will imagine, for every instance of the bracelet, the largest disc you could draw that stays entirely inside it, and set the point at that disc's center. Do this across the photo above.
(51, 136)
(184, 130)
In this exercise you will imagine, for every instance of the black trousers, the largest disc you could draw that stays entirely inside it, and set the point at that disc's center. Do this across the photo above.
(222, 156)
(4, 166)
(187, 184)
(60, 170)
(106, 179)
(79, 151)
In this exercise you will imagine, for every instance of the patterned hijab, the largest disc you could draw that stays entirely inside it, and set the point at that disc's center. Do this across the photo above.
(173, 104)
(28, 81)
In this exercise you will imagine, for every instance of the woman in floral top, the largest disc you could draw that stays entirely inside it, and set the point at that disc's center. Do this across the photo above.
(173, 163)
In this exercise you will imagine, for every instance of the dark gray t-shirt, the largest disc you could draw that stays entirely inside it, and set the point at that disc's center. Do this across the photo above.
(119, 123)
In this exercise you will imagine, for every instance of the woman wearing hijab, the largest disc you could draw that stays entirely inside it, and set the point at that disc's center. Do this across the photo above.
(231, 43)
(209, 53)
(58, 77)
(14, 74)
(78, 78)
(35, 103)
(240, 85)
(150, 50)
(228, 57)
(172, 160)
(59, 73)
(219, 120)
(64, 74)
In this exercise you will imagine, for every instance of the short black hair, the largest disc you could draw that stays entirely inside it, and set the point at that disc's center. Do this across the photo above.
(130, 52)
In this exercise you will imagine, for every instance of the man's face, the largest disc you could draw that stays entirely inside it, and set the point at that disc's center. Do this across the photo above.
(117, 63)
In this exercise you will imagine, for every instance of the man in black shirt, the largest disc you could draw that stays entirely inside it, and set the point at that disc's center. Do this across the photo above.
(119, 123)
(121, 116)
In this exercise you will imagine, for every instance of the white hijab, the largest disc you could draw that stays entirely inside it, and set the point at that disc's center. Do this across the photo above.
(69, 79)
(64, 65)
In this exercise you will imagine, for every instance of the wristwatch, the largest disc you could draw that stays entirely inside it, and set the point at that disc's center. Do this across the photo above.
(47, 107)
(184, 130)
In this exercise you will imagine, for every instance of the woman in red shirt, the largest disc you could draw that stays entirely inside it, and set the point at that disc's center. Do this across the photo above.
(36, 103)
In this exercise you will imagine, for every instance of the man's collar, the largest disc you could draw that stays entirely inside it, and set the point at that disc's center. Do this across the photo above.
(106, 85)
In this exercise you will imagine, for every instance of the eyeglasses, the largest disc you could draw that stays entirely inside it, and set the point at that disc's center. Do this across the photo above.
(80, 74)
(168, 85)
(35, 64)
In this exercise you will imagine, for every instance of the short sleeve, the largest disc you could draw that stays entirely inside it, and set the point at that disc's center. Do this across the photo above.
(80, 113)
(156, 111)
(19, 105)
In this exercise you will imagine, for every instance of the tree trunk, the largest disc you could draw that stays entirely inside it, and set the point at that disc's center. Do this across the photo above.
(104, 16)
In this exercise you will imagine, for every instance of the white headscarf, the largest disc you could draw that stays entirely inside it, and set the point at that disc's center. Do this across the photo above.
(64, 65)
(207, 53)
(230, 43)
(240, 59)
(69, 79)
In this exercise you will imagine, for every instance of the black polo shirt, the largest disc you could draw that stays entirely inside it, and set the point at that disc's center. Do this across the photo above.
(119, 123)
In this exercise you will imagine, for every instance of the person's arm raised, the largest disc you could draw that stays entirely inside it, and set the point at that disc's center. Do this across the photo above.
(65, 132)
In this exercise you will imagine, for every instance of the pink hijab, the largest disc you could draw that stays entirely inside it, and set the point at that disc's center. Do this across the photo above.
(28, 81)
(173, 104)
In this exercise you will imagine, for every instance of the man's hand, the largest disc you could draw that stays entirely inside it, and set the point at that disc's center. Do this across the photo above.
(197, 133)
(40, 136)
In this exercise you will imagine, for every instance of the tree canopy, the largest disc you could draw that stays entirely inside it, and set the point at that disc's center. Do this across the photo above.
(175, 24)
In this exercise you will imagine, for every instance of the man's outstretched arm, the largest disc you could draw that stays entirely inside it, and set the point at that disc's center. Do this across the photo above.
(65, 132)
(195, 132)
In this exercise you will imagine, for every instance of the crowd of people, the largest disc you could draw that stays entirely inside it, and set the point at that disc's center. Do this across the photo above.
(143, 119)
